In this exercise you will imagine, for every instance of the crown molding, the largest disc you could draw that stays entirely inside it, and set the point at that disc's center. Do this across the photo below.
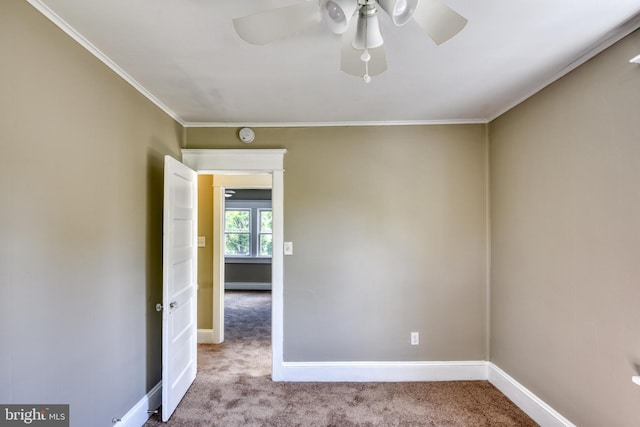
(71, 32)
(336, 124)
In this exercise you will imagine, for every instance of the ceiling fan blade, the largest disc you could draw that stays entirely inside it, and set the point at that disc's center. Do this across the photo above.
(438, 20)
(274, 24)
(351, 59)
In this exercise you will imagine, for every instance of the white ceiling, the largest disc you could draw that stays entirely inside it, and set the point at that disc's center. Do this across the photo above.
(187, 58)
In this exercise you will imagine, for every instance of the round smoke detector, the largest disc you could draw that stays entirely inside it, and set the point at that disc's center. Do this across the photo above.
(247, 135)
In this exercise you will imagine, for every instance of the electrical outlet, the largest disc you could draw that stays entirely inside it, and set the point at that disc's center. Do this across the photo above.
(201, 241)
(415, 338)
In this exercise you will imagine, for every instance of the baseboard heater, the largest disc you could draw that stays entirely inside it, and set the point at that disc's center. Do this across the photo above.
(247, 286)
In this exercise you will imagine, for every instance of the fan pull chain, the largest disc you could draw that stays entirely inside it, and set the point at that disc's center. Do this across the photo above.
(366, 57)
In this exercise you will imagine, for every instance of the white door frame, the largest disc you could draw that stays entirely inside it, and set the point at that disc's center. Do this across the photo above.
(217, 305)
(258, 161)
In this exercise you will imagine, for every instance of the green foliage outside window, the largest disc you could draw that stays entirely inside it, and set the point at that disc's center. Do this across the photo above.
(237, 225)
(266, 238)
(266, 219)
(238, 233)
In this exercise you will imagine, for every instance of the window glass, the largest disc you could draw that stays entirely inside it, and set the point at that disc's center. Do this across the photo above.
(266, 238)
(237, 232)
(265, 221)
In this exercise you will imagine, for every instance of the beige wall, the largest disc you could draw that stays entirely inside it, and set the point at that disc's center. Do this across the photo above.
(81, 157)
(205, 255)
(389, 226)
(565, 202)
(389, 230)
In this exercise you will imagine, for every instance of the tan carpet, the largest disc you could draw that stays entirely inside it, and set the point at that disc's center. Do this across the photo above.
(233, 388)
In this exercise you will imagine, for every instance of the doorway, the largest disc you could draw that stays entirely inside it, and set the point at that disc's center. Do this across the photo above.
(229, 163)
(237, 253)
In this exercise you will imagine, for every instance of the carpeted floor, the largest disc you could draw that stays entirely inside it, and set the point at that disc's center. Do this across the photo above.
(233, 388)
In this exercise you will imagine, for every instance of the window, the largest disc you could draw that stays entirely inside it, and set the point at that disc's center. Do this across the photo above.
(248, 230)
(237, 232)
(265, 238)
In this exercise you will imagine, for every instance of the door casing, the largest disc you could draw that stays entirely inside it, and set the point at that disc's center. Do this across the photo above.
(258, 161)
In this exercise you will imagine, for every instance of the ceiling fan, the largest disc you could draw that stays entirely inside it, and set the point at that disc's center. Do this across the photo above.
(362, 44)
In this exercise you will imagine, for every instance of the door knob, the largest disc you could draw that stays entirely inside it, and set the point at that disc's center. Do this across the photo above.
(160, 307)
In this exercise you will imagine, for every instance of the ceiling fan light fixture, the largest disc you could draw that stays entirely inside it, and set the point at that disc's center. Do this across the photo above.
(336, 14)
(368, 34)
(400, 11)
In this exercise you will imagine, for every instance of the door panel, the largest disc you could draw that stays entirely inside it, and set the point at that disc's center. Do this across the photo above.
(179, 317)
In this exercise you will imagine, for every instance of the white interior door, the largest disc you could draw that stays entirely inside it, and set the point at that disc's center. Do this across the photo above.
(179, 287)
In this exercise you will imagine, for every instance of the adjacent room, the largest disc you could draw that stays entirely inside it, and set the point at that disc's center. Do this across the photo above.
(451, 203)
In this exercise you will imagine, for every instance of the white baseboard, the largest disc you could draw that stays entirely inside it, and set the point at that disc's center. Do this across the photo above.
(383, 371)
(247, 286)
(138, 415)
(205, 336)
(531, 404)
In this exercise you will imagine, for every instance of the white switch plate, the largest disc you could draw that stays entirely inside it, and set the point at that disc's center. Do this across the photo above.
(288, 248)
(201, 242)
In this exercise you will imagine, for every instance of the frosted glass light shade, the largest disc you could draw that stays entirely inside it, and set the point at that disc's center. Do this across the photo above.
(368, 29)
(400, 11)
(336, 14)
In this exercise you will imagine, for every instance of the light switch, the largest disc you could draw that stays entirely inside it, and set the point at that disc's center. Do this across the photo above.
(201, 243)
(288, 248)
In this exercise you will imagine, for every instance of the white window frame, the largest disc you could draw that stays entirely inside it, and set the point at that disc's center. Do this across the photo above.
(255, 206)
